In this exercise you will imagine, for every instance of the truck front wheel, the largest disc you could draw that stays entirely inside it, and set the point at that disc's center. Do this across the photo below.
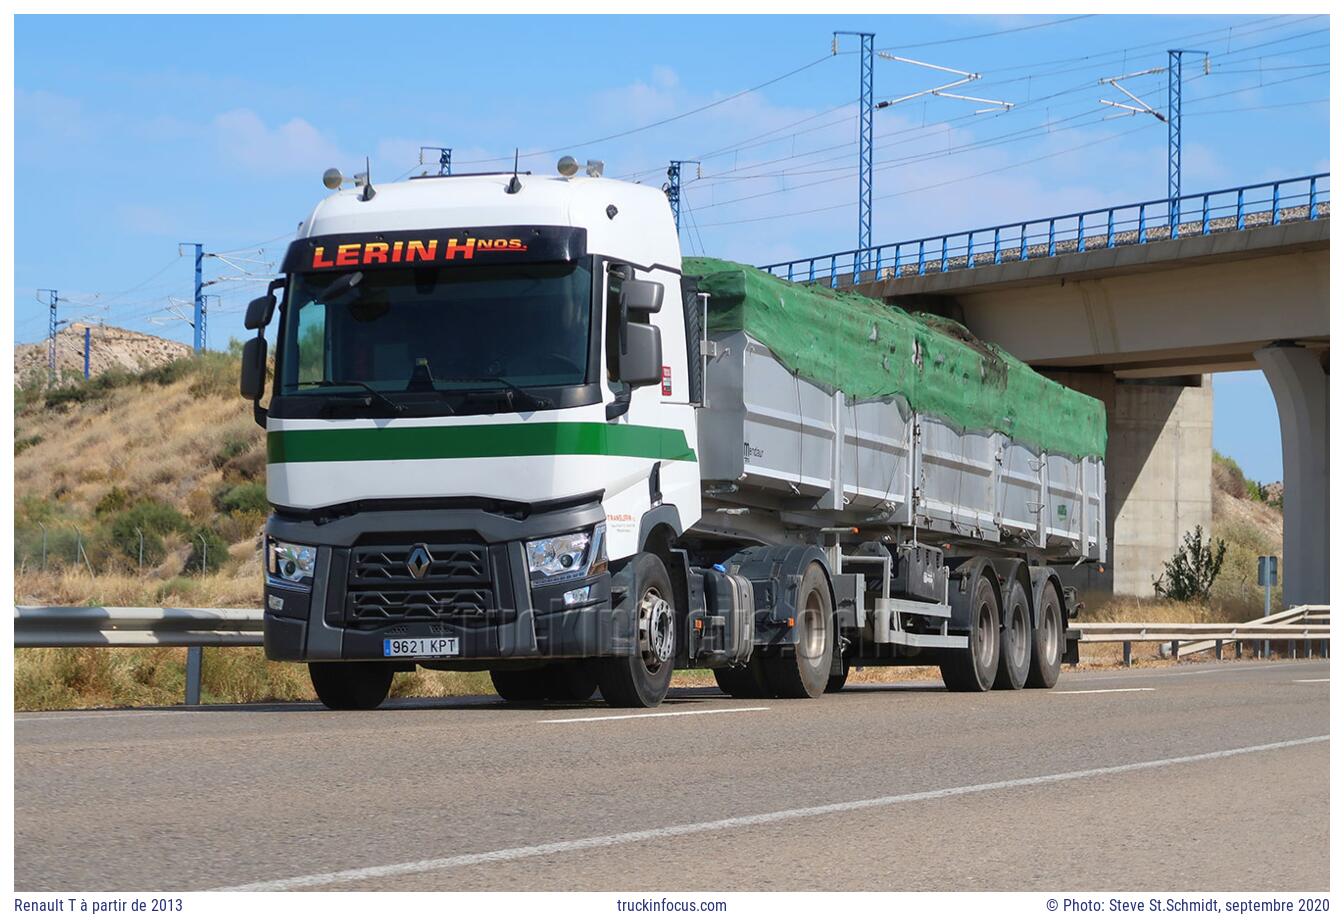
(351, 684)
(641, 680)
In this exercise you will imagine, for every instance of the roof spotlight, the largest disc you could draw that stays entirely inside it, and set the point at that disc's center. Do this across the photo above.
(595, 168)
(567, 166)
(332, 179)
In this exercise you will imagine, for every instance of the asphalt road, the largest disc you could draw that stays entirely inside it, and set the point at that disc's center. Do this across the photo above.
(1193, 777)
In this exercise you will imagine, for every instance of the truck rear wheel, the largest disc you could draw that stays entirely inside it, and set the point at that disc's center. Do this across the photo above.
(1047, 642)
(974, 667)
(805, 673)
(520, 686)
(1014, 641)
(569, 681)
(641, 680)
(351, 684)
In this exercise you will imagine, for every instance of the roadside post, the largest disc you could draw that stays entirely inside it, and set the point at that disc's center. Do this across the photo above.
(1267, 575)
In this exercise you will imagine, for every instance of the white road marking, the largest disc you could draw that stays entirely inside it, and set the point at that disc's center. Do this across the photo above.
(1107, 690)
(96, 715)
(654, 715)
(1177, 671)
(682, 830)
(1313, 680)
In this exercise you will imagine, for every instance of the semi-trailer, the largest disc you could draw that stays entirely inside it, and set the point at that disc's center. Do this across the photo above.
(511, 429)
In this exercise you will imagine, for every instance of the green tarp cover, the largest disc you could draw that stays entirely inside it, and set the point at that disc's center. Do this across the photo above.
(868, 349)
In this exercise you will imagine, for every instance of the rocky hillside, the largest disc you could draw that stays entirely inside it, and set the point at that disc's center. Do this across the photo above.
(111, 348)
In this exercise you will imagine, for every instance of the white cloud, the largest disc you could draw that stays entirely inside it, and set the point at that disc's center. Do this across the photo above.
(42, 117)
(142, 218)
(244, 139)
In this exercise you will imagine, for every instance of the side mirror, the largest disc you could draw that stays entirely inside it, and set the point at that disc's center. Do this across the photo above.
(259, 312)
(642, 296)
(252, 380)
(642, 355)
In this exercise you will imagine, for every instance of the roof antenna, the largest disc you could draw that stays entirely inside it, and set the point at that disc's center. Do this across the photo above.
(514, 185)
(368, 193)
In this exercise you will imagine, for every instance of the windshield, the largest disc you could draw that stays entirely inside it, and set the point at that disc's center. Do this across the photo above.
(438, 329)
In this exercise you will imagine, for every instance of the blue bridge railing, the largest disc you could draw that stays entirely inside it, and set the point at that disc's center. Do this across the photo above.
(1263, 204)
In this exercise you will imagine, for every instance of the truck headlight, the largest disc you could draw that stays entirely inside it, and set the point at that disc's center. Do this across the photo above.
(291, 564)
(571, 555)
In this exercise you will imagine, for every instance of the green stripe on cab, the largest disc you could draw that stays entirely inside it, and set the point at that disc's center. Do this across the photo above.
(528, 439)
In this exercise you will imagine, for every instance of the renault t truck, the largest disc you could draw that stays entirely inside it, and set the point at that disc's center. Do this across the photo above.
(510, 430)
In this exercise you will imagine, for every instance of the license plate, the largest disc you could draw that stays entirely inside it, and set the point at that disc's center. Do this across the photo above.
(420, 648)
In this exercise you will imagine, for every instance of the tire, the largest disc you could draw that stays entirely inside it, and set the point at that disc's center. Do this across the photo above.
(1047, 647)
(1015, 641)
(569, 681)
(805, 673)
(528, 686)
(743, 683)
(972, 669)
(836, 682)
(641, 680)
(346, 685)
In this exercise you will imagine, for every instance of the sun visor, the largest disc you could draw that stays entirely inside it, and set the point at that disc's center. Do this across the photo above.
(399, 248)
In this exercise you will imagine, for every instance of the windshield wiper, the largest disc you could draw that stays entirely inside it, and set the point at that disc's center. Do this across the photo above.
(377, 395)
(511, 391)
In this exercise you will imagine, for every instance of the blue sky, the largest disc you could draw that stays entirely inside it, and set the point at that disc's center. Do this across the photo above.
(135, 133)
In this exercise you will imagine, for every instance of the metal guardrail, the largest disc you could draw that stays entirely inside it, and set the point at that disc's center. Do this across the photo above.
(136, 627)
(1299, 627)
(197, 628)
(129, 627)
(1201, 214)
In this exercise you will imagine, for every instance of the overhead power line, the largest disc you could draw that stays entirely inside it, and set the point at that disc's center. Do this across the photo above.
(994, 34)
(662, 121)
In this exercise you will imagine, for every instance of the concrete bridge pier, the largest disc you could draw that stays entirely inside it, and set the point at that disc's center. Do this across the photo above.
(1302, 392)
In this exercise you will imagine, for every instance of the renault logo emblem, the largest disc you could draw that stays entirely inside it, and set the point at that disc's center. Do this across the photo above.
(419, 561)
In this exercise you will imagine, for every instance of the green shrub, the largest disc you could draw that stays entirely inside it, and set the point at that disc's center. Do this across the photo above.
(22, 444)
(82, 391)
(154, 520)
(216, 553)
(115, 499)
(214, 374)
(243, 497)
(232, 447)
(1190, 573)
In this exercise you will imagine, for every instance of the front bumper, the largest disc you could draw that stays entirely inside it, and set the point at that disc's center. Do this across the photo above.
(482, 597)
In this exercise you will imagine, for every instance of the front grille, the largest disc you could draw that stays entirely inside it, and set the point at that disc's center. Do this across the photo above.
(389, 565)
(377, 608)
(419, 582)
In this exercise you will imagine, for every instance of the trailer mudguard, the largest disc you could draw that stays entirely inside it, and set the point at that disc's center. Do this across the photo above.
(962, 577)
(1010, 570)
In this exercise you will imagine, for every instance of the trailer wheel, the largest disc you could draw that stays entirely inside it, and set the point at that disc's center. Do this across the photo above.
(973, 668)
(1048, 642)
(744, 683)
(805, 673)
(641, 680)
(1015, 641)
(527, 686)
(569, 681)
(351, 684)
